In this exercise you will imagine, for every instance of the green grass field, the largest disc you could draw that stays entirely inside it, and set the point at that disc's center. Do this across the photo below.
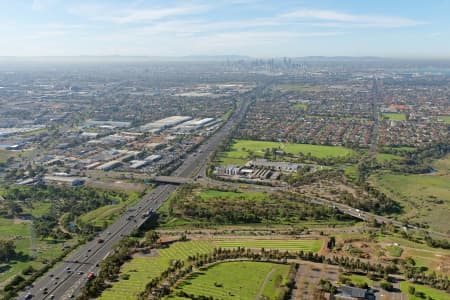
(428, 291)
(386, 157)
(239, 153)
(359, 280)
(236, 280)
(288, 245)
(298, 88)
(107, 213)
(300, 106)
(432, 258)
(21, 234)
(142, 269)
(445, 119)
(426, 198)
(394, 116)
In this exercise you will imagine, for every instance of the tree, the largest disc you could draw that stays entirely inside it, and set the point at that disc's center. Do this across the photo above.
(411, 290)
(13, 208)
(387, 286)
(151, 237)
(7, 250)
(331, 243)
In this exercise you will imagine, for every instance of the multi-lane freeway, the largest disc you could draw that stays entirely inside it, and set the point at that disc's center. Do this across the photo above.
(66, 279)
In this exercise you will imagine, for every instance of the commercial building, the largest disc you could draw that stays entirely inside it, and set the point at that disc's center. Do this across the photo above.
(107, 124)
(109, 165)
(162, 124)
(275, 165)
(72, 181)
(153, 157)
(195, 124)
(137, 164)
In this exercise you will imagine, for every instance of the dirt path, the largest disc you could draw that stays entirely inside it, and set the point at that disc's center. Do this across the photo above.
(266, 280)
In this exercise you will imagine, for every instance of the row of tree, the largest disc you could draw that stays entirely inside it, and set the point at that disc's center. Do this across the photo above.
(420, 275)
(244, 210)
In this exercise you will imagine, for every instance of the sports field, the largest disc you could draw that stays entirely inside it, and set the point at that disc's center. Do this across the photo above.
(142, 269)
(445, 119)
(300, 106)
(243, 150)
(394, 116)
(237, 280)
(287, 245)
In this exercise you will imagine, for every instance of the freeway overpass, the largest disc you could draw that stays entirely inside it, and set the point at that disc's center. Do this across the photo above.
(171, 180)
(65, 280)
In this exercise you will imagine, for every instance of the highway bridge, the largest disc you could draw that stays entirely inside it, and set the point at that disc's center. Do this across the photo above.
(65, 280)
(171, 180)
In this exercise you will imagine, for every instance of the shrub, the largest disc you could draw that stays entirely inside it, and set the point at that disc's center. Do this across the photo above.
(387, 286)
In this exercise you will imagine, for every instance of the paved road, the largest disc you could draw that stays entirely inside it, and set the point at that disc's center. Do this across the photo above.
(346, 209)
(66, 279)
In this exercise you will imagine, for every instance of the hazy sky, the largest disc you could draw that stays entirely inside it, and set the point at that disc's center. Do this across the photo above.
(395, 28)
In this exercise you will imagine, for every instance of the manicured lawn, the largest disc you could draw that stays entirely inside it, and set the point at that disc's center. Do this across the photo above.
(445, 119)
(300, 106)
(394, 116)
(234, 280)
(142, 269)
(359, 280)
(426, 198)
(428, 291)
(241, 150)
(289, 245)
(277, 279)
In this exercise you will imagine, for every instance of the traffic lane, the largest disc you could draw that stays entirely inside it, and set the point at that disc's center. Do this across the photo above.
(92, 246)
(190, 165)
(79, 284)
